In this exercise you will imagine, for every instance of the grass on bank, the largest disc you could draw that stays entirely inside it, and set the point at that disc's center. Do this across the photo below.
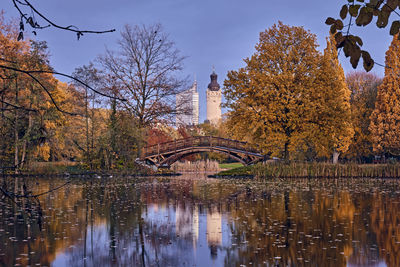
(57, 167)
(229, 166)
(315, 170)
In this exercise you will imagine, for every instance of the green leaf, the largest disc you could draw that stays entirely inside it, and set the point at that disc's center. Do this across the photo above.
(340, 39)
(353, 10)
(394, 29)
(355, 57)
(383, 19)
(330, 21)
(347, 48)
(364, 17)
(343, 11)
(392, 4)
(358, 40)
(339, 24)
(368, 61)
(333, 29)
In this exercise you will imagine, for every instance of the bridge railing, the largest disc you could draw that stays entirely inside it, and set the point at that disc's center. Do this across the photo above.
(196, 141)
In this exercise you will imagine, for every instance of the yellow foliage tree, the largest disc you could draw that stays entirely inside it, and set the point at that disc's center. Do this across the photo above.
(385, 119)
(331, 127)
(269, 98)
(28, 114)
(363, 88)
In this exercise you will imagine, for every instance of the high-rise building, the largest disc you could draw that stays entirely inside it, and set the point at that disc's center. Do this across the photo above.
(213, 100)
(195, 101)
(187, 103)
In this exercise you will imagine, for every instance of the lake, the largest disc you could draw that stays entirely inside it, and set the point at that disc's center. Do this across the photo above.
(192, 220)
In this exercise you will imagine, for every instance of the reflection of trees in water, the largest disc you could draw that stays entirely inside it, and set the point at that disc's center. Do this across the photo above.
(19, 220)
(385, 222)
(113, 222)
(300, 227)
(132, 239)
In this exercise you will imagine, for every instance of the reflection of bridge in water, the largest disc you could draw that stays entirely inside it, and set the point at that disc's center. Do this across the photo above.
(165, 154)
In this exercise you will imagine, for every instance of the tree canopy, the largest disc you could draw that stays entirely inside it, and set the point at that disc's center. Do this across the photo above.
(268, 98)
(385, 119)
(289, 98)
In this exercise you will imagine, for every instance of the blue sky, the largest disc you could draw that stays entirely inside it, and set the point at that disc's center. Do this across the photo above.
(209, 32)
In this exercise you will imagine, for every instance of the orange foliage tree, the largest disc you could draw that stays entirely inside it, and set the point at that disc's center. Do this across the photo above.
(363, 88)
(385, 119)
(268, 98)
(331, 127)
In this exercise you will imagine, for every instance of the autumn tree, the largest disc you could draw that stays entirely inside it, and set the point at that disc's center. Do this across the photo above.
(385, 119)
(29, 112)
(330, 126)
(363, 88)
(89, 74)
(269, 97)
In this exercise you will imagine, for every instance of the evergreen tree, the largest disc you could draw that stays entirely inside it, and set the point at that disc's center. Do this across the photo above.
(331, 127)
(385, 119)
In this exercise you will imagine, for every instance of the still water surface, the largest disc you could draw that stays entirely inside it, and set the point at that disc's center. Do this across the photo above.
(197, 221)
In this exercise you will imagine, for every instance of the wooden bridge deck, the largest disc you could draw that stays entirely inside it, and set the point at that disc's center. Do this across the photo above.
(169, 152)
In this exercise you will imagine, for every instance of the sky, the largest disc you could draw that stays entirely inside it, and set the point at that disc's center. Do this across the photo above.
(209, 33)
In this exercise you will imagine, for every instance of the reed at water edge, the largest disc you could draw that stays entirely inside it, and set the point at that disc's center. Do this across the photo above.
(316, 170)
(196, 166)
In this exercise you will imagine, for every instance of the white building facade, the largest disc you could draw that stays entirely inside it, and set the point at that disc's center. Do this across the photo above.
(187, 102)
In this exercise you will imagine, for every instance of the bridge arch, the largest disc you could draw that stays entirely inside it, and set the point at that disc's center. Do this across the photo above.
(165, 154)
(175, 157)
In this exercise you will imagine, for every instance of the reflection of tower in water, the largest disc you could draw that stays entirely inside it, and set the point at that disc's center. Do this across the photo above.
(187, 222)
(214, 230)
(183, 221)
(195, 225)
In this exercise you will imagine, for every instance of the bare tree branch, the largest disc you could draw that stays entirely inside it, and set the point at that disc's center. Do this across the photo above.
(64, 75)
(34, 24)
(29, 73)
(16, 107)
(147, 67)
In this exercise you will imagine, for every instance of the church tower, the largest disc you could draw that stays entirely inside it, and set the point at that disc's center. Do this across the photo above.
(213, 100)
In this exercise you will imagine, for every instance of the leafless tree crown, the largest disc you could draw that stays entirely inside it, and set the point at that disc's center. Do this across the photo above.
(147, 67)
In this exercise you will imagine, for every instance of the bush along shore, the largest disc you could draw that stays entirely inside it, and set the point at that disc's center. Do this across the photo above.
(313, 170)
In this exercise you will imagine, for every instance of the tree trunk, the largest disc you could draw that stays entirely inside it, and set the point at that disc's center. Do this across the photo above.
(28, 132)
(88, 160)
(16, 141)
(286, 152)
(16, 138)
(335, 157)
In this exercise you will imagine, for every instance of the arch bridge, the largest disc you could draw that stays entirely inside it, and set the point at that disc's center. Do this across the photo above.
(165, 154)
